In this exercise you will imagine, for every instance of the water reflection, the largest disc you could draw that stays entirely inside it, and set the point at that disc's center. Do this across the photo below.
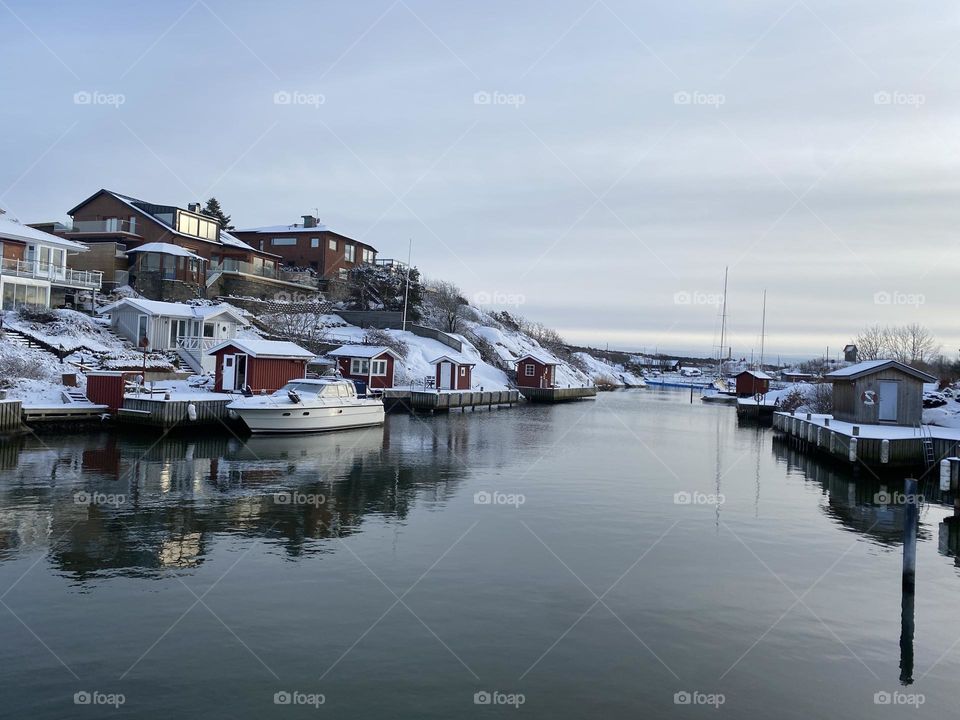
(133, 506)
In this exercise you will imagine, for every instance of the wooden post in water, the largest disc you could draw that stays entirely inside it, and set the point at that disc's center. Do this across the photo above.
(910, 518)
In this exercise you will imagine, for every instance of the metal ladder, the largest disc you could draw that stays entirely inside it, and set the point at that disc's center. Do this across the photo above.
(926, 440)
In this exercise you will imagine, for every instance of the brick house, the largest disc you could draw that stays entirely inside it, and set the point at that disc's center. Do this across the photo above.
(215, 262)
(311, 244)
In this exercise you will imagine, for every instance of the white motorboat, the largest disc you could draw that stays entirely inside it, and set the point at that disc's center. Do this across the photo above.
(309, 405)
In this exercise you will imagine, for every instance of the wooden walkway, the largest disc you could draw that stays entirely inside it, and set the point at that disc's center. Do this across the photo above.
(432, 401)
(166, 414)
(555, 395)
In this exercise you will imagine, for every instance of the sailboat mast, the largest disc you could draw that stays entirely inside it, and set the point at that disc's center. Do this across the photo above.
(763, 328)
(723, 324)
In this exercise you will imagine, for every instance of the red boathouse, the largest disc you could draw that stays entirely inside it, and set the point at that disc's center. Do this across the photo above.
(535, 371)
(372, 364)
(453, 373)
(263, 365)
(752, 382)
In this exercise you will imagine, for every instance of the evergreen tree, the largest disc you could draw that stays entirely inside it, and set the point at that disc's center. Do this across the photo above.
(213, 209)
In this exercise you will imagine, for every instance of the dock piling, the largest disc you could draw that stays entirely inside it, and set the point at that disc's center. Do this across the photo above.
(910, 516)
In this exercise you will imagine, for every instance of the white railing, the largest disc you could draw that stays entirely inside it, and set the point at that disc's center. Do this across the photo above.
(56, 274)
(196, 344)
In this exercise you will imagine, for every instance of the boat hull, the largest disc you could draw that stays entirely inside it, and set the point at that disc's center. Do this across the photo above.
(304, 419)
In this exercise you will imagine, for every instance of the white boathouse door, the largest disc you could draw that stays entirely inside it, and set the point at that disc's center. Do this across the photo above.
(229, 372)
(888, 400)
(446, 376)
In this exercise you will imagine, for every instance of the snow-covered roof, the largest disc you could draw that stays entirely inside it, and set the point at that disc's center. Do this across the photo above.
(362, 351)
(257, 347)
(287, 229)
(758, 374)
(178, 310)
(868, 367)
(542, 359)
(13, 229)
(228, 239)
(166, 249)
(455, 359)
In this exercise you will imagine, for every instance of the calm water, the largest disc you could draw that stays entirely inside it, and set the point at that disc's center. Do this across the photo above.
(208, 575)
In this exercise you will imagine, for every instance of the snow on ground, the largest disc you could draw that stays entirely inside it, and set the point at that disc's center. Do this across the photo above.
(511, 345)
(32, 376)
(69, 329)
(947, 414)
(600, 369)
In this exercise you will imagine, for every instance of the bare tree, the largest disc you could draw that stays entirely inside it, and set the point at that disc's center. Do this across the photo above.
(911, 343)
(446, 305)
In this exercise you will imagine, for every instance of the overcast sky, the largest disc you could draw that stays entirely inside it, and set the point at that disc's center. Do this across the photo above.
(592, 165)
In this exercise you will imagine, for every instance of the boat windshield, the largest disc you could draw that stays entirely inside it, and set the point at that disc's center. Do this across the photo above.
(328, 390)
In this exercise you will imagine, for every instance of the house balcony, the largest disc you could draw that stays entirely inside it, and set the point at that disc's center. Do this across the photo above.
(193, 350)
(56, 275)
(103, 227)
(390, 263)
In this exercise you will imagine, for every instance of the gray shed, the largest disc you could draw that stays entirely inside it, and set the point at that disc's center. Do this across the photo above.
(879, 392)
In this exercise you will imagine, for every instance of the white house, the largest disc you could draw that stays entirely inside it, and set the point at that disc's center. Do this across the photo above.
(190, 330)
(33, 263)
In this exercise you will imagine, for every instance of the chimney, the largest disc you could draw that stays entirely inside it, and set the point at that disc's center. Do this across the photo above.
(193, 207)
(309, 221)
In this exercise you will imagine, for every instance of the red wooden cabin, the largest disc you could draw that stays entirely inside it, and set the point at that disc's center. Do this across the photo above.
(453, 373)
(752, 382)
(374, 365)
(263, 365)
(536, 371)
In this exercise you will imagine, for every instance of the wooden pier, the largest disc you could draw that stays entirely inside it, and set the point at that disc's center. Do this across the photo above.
(555, 395)
(395, 399)
(876, 446)
(165, 414)
(11, 417)
(65, 413)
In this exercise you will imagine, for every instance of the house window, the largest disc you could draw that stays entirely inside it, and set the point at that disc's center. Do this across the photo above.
(367, 256)
(463, 372)
(378, 368)
(141, 328)
(332, 244)
(314, 242)
(529, 369)
(359, 366)
(349, 252)
(208, 329)
(283, 241)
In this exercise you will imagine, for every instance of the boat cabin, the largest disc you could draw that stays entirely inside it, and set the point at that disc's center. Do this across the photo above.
(453, 373)
(752, 382)
(372, 365)
(875, 392)
(536, 371)
(262, 366)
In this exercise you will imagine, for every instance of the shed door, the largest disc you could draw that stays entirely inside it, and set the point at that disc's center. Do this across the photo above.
(446, 376)
(229, 372)
(888, 400)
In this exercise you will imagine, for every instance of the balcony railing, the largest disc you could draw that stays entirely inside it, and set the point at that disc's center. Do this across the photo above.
(196, 344)
(391, 263)
(112, 225)
(57, 275)
(237, 266)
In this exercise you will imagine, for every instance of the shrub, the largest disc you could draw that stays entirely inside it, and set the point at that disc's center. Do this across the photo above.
(375, 336)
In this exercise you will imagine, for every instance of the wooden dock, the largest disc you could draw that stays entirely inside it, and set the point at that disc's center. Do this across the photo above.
(165, 414)
(876, 446)
(555, 395)
(11, 417)
(399, 400)
(66, 413)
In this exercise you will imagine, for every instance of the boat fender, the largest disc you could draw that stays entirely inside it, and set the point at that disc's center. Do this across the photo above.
(293, 395)
(232, 414)
(192, 412)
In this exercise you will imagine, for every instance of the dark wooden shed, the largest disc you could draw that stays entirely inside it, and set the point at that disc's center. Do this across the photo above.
(879, 392)
(752, 382)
